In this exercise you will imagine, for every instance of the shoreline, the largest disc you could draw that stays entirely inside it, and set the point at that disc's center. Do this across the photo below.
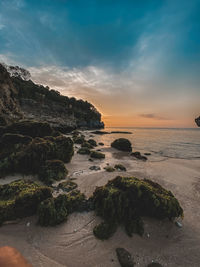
(68, 243)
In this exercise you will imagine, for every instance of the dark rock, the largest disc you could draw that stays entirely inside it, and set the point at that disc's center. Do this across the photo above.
(53, 170)
(104, 230)
(138, 155)
(100, 132)
(92, 142)
(124, 257)
(78, 139)
(120, 167)
(120, 132)
(154, 264)
(86, 144)
(91, 160)
(122, 144)
(95, 168)
(140, 197)
(67, 186)
(21, 199)
(97, 155)
(197, 120)
(101, 144)
(147, 154)
(109, 169)
(84, 151)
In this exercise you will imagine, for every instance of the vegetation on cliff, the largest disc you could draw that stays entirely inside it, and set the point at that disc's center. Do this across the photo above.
(124, 200)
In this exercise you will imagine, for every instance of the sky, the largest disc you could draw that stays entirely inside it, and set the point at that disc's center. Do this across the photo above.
(138, 61)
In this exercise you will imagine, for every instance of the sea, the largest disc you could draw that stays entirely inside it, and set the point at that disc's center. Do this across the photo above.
(160, 142)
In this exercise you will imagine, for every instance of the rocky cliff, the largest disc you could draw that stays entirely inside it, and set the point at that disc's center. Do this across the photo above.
(197, 120)
(22, 98)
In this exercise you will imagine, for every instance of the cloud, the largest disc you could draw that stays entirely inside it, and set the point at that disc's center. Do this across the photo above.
(153, 116)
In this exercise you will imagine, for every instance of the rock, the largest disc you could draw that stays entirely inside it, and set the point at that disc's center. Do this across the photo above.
(178, 224)
(95, 168)
(197, 120)
(104, 230)
(21, 199)
(120, 167)
(122, 144)
(84, 151)
(51, 171)
(92, 142)
(67, 186)
(124, 257)
(97, 155)
(154, 264)
(109, 169)
(91, 160)
(54, 211)
(140, 197)
(100, 132)
(120, 132)
(78, 139)
(101, 144)
(86, 144)
(147, 154)
(138, 155)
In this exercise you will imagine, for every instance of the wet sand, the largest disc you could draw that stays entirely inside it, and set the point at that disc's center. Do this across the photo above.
(73, 244)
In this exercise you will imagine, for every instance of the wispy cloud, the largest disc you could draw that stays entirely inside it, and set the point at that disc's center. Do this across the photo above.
(153, 116)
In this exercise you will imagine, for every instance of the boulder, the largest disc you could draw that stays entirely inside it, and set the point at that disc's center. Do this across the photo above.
(97, 155)
(122, 144)
(84, 151)
(140, 197)
(138, 155)
(119, 167)
(124, 257)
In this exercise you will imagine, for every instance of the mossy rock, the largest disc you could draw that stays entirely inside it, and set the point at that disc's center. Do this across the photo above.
(122, 144)
(109, 169)
(120, 167)
(30, 128)
(67, 186)
(92, 142)
(124, 200)
(87, 145)
(54, 211)
(30, 158)
(97, 155)
(78, 139)
(21, 199)
(53, 170)
(84, 151)
(105, 230)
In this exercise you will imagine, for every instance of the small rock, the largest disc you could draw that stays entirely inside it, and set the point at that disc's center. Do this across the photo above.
(154, 264)
(28, 224)
(91, 160)
(138, 155)
(147, 154)
(178, 224)
(95, 168)
(101, 144)
(124, 257)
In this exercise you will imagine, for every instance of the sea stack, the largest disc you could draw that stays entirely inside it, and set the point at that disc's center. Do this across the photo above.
(197, 120)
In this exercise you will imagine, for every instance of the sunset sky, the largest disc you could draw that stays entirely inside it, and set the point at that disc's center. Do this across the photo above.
(138, 61)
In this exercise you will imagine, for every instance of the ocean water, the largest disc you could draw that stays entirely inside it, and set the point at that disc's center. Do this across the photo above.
(160, 142)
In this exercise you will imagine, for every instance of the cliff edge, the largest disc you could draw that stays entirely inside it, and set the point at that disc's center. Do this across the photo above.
(22, 98)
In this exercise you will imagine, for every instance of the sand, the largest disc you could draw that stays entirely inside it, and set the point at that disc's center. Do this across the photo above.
(73, 244)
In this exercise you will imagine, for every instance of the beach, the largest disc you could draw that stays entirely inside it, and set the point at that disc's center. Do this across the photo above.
(73, 244)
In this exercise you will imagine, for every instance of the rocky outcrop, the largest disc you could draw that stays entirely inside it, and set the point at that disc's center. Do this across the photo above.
(9, 106)
(197, 120)
(22, 98)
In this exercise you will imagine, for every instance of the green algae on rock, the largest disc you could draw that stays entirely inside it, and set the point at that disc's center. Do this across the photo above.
(105, 230)
(122, 144)
(21, 199)
(54, 211)
(109, 169)
(92, 142)
(84, 151)
(86, 144)
(53, 170)
(30, 158)
(97, 155)
(124, 200)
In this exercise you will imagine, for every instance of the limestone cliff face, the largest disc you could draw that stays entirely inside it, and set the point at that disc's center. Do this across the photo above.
(9, 106)
(20, 97)
(197, 120)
